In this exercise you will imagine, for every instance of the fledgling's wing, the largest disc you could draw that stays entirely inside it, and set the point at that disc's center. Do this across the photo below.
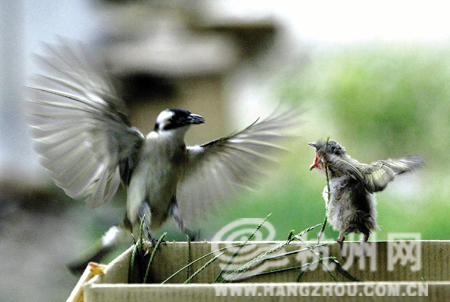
(218, 169)
(377, 175)
(81, 131)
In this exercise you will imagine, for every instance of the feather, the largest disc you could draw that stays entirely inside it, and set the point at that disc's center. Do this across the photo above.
(223, 167)
(80, 127)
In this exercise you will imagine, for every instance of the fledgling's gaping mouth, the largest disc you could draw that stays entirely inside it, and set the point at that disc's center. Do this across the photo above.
(318, 164)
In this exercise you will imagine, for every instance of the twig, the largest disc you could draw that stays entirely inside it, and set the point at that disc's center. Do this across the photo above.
(188, 270)
(219, 277)
(198, 259)
(328, 200)
(152, 256)
(262, 257)
(203, 267)
(319, 257)
(138, 247)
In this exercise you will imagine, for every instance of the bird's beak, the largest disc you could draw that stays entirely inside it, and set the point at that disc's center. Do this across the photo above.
(196, 119)
(316, 163)
(313, 145)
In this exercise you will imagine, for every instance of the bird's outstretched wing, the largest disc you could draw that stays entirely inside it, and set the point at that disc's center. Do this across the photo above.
(81, 131)
(224, 166)
(378, 174)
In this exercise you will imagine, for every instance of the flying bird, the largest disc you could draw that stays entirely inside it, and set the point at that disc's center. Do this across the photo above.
(87, 144)
(352, 206)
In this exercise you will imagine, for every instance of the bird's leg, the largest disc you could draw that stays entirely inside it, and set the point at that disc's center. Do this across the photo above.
(175, 212)
(149, 237)
(340, 240)
(363, 244)
(141, 224)
(145, 233)
(193, 235)
(366, 237)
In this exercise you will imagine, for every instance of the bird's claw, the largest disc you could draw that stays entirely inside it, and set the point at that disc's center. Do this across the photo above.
(192, 235)
(154, 241)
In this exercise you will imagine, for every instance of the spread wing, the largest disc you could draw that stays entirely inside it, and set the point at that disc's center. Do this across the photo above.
(378, 174)
(220, 168)
(81, 131)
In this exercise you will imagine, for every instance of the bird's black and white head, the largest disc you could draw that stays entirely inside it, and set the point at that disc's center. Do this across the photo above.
(176, 121)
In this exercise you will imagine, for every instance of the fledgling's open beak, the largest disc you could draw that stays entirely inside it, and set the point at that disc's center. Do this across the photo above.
(317, 162)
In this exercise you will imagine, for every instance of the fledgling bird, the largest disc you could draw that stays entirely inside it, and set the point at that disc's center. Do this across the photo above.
(89, 147)
(352, 205)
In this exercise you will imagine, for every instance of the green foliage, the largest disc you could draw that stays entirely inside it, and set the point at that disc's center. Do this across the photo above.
(389, 98)
(380, 95)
